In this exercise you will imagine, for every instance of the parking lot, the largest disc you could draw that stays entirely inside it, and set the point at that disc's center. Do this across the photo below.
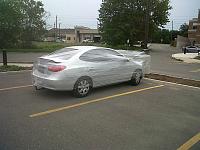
(152, 116)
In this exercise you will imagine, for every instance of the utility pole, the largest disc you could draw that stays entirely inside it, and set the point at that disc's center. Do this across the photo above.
(56, 21)
(59, 31)
(56, 27)
(147, 24)
(172, 31)
(54, 31)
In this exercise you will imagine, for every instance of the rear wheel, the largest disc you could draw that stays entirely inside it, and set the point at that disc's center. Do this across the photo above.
(136, 77)
(82, 87)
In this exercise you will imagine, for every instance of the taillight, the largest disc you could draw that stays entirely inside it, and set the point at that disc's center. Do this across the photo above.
(56, 68)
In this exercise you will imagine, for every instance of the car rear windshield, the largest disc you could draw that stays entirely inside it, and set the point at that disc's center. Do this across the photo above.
(65, 53)
(64, 50)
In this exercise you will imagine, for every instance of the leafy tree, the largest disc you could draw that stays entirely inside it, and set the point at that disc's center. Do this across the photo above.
(121, 20)
(161, 36)
(21, 21)
(184, 30)
(10, 23)
(32, 23)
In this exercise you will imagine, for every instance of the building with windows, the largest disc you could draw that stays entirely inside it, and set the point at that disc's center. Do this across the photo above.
(79, 34)
(86, 34)
(194, 30)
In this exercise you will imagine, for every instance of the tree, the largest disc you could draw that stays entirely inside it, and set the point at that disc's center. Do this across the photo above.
(21, 21)
(121, 20)
(32, 23)
(161, 36)
(184, 30)
(10, 23)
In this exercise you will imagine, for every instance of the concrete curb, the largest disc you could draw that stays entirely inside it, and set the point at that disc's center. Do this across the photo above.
(28, 70)
(173, 79)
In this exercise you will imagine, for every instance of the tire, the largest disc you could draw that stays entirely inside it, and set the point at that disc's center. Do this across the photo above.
(82, 87)
(136, 77)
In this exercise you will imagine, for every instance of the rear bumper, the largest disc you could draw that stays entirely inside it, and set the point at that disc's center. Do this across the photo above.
(53, 84)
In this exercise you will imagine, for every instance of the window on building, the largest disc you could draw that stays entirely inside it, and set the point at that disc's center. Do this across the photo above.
(68, 38)
(194, 27)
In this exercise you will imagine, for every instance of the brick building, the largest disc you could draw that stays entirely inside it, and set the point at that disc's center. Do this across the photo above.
(194, 30)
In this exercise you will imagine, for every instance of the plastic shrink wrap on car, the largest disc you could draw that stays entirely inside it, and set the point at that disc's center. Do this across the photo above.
(140, 57)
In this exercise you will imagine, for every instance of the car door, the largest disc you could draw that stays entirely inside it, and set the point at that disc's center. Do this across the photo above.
(118, 67)
(123, 68)
(99, 67)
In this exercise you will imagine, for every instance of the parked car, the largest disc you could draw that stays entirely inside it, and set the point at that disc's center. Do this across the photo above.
(191, 49)
(81, 68)
(88, 41)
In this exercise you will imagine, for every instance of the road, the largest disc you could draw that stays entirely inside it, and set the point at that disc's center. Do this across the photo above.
(151, 116)
(161, 62)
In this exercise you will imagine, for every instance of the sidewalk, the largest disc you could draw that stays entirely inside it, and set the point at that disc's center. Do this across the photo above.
(187, 58)
(21, 58)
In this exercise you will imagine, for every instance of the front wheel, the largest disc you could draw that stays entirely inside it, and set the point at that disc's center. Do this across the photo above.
(82, 87)
(136, 77)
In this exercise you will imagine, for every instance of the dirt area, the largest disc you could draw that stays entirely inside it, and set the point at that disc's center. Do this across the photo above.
(190, 82)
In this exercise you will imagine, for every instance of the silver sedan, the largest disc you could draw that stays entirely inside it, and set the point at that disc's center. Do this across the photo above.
(81, 68)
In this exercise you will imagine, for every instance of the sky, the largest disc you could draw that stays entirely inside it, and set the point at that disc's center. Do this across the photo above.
(85, 12)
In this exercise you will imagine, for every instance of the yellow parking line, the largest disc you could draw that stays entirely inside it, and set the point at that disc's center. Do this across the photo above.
(198, 70)
(190, 142)
(15, 87)
(91, 101)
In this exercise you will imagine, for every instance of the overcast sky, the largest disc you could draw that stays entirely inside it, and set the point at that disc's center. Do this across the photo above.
(85, 12)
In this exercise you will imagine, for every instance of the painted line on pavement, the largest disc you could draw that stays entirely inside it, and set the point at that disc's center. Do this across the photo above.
(91, 101)
(190, 142)
(15, 87)
(173, 83)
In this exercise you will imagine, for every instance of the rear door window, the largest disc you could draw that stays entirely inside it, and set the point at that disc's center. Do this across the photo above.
(99, 55)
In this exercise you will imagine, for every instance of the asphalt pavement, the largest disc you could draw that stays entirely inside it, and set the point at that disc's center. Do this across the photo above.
(162, 63)
(152, 116)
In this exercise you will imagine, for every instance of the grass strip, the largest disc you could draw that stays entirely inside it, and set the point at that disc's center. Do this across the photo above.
(13, 68)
